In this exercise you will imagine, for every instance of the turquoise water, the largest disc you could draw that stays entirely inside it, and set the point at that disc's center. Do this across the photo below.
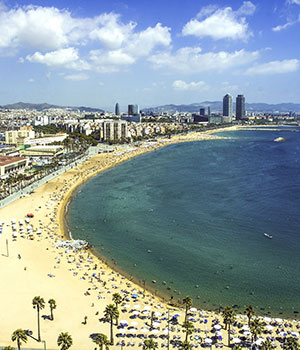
(194, 214)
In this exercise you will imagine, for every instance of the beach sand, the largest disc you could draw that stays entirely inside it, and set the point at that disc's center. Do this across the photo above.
(79, 282)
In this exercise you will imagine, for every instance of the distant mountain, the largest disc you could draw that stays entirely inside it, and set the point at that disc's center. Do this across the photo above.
(44, 106)
(217, 106)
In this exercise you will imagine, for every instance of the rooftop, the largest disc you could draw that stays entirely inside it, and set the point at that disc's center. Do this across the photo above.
(5, 160)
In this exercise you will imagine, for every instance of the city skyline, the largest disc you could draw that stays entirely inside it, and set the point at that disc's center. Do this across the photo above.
(69, 53)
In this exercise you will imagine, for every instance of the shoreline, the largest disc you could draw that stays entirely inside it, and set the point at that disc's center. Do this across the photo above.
(66, 275)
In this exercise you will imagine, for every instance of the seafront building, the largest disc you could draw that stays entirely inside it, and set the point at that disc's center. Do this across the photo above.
(12, 165)
(227, 106)
(115, 130)
(240, 107)
(117, 109)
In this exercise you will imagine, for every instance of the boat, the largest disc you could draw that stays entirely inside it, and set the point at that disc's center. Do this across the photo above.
(267, 235)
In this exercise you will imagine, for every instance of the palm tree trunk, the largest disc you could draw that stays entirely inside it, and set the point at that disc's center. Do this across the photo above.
(19, 345)
(51, 314)
(186, 335)
(38, 319)
(111, 332)
(229, 334)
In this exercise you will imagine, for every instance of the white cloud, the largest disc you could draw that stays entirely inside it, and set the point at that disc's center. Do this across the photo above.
(76, 77)
(183, 86)
(31, 80)
(275, 67)
(221, 23)
(297, 2)
(57, 38)
(191, 60)
(68, 58)
(112, 34)
(281, 27)
(248, 8)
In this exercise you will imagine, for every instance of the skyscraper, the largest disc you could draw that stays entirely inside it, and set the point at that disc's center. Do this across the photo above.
(227, 106)
(240, 107)
(208, 110)
(202, 111)
(117, 109)
(133, 110)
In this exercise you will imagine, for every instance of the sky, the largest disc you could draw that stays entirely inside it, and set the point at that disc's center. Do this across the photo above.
(148, 52)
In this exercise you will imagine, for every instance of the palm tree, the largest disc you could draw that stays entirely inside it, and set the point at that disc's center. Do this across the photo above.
(111, 313)
(117, 299)
(64, 340)
(256, 328)
(39, 304)
(267, 345)
(187, 301)
(20, 336)
(249, 311)
(229, 318)
(52, 304)
(185, 346)
(102, 341)
(291, 344)
(149, 344)
(188, 329)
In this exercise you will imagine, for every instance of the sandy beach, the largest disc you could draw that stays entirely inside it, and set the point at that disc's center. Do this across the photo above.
(80, 283)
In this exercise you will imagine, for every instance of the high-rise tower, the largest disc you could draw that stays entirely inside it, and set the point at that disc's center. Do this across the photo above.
(227, 106)
(117, 109)
(240, 107)
(133, 110)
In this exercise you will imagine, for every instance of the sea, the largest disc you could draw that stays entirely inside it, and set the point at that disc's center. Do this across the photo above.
(190, 219)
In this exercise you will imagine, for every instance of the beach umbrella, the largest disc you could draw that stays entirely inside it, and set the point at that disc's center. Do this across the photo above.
(219, 333)
(236, 340)
(267, 319)
(207, 340)
(144, 330)
(259, 341)
(136, 312)
(279, 320)
(165, 331)
(156, 324)
(136, 306)
(295, 334)
(127, 306)
(269, 327)
(155, 331)
(245, 328)
(121, 330)
(134, 323)
(133, 330)
(145, 312)
(247, 333)
(157, 313)
(147, 308)
(124, 322)
(134, 295)
(217, 327)
(193, 309)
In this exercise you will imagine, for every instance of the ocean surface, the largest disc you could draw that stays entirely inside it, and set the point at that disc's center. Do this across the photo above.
(192, 216)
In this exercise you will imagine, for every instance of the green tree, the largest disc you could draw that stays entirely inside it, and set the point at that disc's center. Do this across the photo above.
(64, 340)
(19, 336)
(8, 348)
(39, 304)
(188, 329)
(149, 344)
(249, 311)
(291, 344)
(52, 305)
(229, 318)
(256, 328)
(117, 299)
(102, 341)
(267, 345)
(187, 301)
(185, 346)
(111, 313)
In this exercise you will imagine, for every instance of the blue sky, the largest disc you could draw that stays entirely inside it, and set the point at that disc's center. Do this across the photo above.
(148, 52)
